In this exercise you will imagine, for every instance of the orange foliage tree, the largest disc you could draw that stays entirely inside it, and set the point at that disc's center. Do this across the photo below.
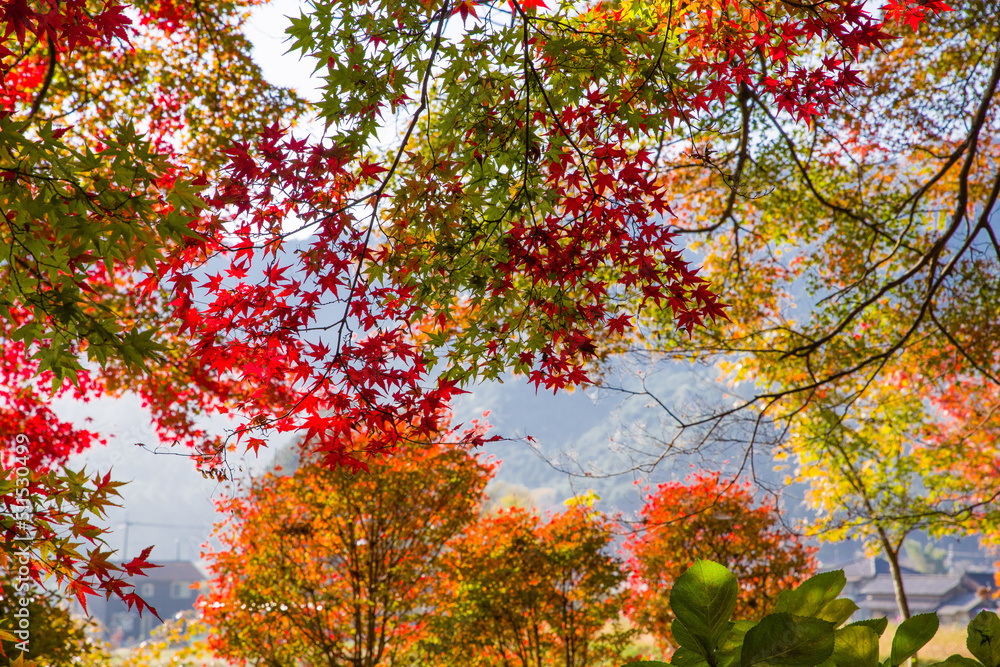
(710, 518)
(529, 592)
(332, 567)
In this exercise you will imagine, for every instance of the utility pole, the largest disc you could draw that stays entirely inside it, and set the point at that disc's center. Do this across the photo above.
(125, 540)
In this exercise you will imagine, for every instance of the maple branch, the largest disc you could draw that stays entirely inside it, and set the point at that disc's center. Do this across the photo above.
(935, 250)
(659, 57)
(804, 172)
(420, 108)
(875, 517)
(49, 74)
(559, 124)
(376, 195)
(772, 397)
(961, 349)
(742, 152)
(527, 109)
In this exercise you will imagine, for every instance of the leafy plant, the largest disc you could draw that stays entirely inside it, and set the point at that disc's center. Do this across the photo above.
(111, 118)
(806, 629)
(523, 209)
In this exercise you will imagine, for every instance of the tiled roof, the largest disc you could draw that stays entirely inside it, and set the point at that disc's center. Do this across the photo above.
(863, 568)
(888, 607)
(981, 578)
(962, 603)
(924, 585)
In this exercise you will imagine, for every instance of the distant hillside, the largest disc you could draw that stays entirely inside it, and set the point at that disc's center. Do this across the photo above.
(169, 504)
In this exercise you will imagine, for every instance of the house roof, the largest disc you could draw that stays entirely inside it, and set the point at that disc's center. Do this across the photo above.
(928, 585)
(864, 568)
(888, 607)
(965, 602)
(178, 570)
(981, 578)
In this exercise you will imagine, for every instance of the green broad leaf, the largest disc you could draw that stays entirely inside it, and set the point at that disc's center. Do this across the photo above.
(957, 661)
(837, 611)
(647, 663)
(735, 634)
(784, 640)
(731, 644)
(685, 639)
(877, 624)
(984, 638)
(703, 599)
(813, 594)
(855, 646)
(683, 657)
(911, 635)
(27, 333)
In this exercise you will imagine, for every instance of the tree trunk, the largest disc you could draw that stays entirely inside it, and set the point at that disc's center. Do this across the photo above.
(897, 578)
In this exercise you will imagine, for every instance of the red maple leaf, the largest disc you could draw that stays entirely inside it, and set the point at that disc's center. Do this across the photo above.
(19, 18)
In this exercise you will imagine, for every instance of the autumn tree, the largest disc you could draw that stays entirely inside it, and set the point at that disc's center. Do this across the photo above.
(522, 590)
(334, 567)
(97, 186)
(709, 517)
(877, 478)
(51, 535)
(858, 257)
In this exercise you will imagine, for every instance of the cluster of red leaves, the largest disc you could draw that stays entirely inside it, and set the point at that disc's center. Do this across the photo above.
(25, 396)
(174, 393)
(608, 216)
(68, 26)
(710, 518)
(62, 520)
(408, 547)
(64, 503)
(724, 38)
(602, 233)
(72, 24)
(25, 410)
(259, 328)
(912, 12)
(322, 347)
(169, 16)
(18, 84)
(320, 338)
(71, 302)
